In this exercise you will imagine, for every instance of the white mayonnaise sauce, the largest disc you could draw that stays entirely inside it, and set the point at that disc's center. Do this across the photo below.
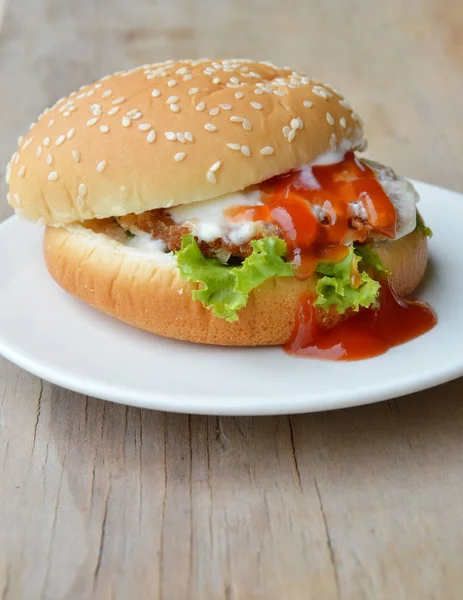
(208, 220)
(402, 194)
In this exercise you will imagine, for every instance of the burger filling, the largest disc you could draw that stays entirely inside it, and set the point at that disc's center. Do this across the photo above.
(319, 221)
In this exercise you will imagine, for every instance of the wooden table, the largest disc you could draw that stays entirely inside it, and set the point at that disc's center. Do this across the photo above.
(104, 501)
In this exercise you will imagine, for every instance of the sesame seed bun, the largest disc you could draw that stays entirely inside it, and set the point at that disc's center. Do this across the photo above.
(173, 133)
(148, 292)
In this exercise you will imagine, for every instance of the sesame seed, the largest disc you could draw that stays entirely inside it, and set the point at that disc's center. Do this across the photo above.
(72, 108)
(16, 159)
(104, 129)
(216, 166)
(247, 125)
(174, 108)
(51, 122)
(172, 99)
(256, 105)
(92, 122)
(236, 119)
(53, 176)
(107, 93)
(155, 93)
(239, 95)
(172, 83)
(214, 111)
(60, 140)
(211, 177)
(80, 96)
(171, 136)
(180, 137)
(136, 116)
(245, 150)
(320, 91)
(189, 136)
(345, 103)
(187, 77)
(234, 146)
(267, 150)
(82, 189)
(234, 80)
(151, 136)
(70, 134)
(126, 121)
(294, 124)
(144, 127)
(179, 156)
(38, 152)
(90, 92)
(307, 104)
(118, 101)
(76, 155)
(225, 106)
(49, 159)
(193, 90)
(286, 131)
(98, 85)
(46, 142)
(151, 76)
(330, 118)
(343, 122)
(258, 92)
(27, 143)
(216, 80)
(181, 71)
(200, 106)
(17, 200)
(114, 111)
(210, 127)
(101, 166)
(22, 171)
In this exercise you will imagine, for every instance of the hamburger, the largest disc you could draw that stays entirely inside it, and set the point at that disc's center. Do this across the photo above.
(219, 202)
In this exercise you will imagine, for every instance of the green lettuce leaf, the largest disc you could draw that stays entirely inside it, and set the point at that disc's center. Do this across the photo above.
(224, 289)
(421, 226)
(344, 287)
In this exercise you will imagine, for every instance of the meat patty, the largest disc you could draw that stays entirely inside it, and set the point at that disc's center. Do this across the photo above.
(160, 225)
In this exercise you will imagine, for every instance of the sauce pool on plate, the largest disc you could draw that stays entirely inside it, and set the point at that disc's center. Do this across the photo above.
(368, 333)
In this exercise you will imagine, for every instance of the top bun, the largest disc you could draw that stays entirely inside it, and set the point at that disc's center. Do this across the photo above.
(173, 133)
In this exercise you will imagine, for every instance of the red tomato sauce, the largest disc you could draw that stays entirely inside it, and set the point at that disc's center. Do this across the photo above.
(288, 202)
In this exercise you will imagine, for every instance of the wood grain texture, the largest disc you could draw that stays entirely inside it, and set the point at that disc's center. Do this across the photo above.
(104, 501)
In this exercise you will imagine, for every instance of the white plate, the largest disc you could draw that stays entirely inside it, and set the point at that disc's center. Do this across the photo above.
(60, 339)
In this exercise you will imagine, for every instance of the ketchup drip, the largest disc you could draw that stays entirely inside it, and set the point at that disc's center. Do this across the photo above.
(367, 334)
(289, 201)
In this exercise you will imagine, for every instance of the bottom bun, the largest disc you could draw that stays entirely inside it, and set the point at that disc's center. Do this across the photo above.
(145, 289)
